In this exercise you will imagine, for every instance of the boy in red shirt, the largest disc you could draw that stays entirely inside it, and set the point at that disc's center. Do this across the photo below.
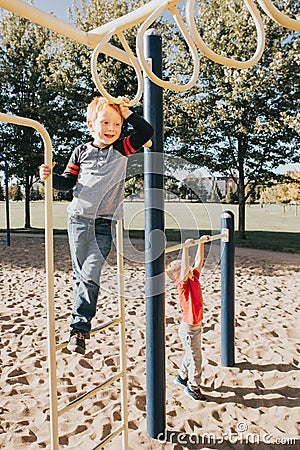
(190, 295)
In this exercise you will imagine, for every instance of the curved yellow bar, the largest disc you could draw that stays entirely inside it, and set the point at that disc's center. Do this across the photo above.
(222, 59)
(193, 49)
(17, 120)
(134, 62)
(278, 16)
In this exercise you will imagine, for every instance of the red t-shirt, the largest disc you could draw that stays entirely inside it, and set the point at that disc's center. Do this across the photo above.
(191, 302)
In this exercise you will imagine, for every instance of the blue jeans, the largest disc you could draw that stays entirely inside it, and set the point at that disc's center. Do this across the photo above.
(90, 243)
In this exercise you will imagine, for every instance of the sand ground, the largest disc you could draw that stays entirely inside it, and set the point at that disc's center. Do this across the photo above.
(252, 405)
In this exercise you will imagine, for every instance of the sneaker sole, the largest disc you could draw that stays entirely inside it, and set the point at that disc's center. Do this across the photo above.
(76, 349)
(195, 399)
(178, 382)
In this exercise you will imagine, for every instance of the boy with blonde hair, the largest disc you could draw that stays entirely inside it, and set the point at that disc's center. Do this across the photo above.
(96, 172)
(187, 282)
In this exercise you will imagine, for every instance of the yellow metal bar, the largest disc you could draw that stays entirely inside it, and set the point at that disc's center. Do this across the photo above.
(189, 41)
(90, 393)
(133, 18)
(103, 327)
(273, 12)
(132, 61)
(206, 51)
(214, 237)
(109, 438)
(122, 334)
(92, 37)
(46, 20)
(23, 121)
(65, 29)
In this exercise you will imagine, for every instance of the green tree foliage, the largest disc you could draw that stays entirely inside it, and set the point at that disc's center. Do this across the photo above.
(171, 185)
(231, 196)
(197, 187)
(241, 123)
(287, 191)
(133, 186)
(25, 56)
(2, 193)
(15, 193)
(215, 194)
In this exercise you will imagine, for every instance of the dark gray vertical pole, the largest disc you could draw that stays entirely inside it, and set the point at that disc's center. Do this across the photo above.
(154, 243)
(227, 291)
(6, 200)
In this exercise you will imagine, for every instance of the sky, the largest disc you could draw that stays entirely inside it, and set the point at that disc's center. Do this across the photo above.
(58, 7)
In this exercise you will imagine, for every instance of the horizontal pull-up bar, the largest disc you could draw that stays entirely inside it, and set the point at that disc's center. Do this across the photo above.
(224, 236)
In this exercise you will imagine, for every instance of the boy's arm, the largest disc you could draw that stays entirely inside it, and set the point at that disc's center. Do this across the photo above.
(185, 263)
(67, 180)
(64, 182)
(143, 132)
(199, 258)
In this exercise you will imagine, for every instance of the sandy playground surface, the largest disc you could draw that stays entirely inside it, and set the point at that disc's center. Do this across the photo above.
(253, 405)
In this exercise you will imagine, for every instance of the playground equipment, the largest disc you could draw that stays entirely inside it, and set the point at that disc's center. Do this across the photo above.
(6, 200)
(98, 38)
(48, 256)
(227, 282)
(145, 63)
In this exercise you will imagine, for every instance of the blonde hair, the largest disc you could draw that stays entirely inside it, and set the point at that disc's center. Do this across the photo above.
(174, 269)
(99, 103)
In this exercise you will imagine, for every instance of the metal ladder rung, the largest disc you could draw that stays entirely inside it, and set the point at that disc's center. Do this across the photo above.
(103, 327)
(90, 393)
(109, 438)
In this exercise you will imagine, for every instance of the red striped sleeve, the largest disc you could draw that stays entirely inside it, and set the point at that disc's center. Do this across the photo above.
(72, 168)
(128, 147)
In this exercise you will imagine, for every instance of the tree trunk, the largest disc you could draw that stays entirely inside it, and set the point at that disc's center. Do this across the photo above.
(242, 200)
(27, 203)
(242, 218)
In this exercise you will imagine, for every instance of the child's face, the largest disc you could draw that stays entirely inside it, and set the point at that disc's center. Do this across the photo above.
(106, 129)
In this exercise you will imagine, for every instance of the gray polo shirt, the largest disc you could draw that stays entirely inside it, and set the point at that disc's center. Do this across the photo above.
(97, 175)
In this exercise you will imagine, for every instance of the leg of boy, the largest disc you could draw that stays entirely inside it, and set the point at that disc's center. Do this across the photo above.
(90, 244)
(183, 371)
(192, 362)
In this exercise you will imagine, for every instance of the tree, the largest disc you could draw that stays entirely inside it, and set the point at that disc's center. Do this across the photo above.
(15, 192)
(35, 193)
(287, 191)
(171, 184)
(134, 186)
(25, 56)
(215, 194)
(231, 196)
(240, 123)
(2, 193)
(197, 187)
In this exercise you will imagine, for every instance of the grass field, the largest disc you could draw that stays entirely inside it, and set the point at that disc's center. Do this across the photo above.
(272, 227)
